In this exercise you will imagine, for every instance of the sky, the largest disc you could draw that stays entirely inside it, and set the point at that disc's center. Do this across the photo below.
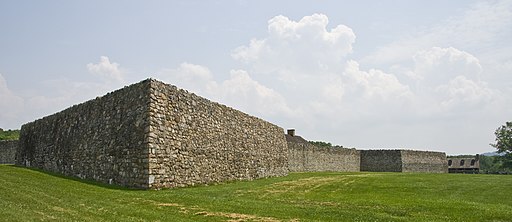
(424, 75)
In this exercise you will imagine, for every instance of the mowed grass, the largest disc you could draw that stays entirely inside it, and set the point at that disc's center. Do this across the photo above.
(30, 195)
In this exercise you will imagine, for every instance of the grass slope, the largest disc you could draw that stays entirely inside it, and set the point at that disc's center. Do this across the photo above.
(30, 195)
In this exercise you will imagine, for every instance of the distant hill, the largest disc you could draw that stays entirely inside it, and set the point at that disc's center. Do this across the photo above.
(494, 153)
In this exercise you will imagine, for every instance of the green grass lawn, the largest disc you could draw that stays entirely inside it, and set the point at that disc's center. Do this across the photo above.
(30, 195)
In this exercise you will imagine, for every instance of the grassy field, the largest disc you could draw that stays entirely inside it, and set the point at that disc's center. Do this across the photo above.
(30, 195)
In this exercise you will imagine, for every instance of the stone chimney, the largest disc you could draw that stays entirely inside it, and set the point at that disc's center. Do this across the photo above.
(291, 132)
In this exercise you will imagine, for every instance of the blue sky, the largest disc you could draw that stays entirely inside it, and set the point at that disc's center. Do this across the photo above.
(369, 74)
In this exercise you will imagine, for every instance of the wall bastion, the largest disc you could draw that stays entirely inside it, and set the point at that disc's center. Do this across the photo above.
(153, 135)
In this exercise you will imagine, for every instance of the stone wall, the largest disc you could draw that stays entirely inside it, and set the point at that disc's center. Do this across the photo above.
(305, 157)
(103, 139)
(196, 141)
(381, 160)
(403, 161)
(8, 151)
(153, 135)
(424, 161)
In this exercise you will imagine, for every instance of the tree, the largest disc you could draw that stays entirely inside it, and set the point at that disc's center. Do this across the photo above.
(9, 134)
(504, 144)
(321, 144)
(489, 164)
(503, 138)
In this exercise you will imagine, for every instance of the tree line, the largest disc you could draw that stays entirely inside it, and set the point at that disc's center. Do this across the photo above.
(9, 134)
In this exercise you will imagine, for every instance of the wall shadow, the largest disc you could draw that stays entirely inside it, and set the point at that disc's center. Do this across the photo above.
(85, 181)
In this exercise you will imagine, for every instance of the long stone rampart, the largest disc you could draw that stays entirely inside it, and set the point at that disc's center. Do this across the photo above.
(424, 161)
(195, 141)
(403, 161)
(306, 157)
(381, 160)
(8, 151)
(154, 135)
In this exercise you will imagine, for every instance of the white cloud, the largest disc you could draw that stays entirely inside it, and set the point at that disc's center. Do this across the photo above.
(195, 78)
(451, 79)
(240, 90)
(423, 90)
(484, 25)
(289, 43)
(301, 74)
(106, 70)
(53, 95)
(376, 83)
(308, 65)
(65, 93)
(439, 65)
(10, 105)
(462, 92)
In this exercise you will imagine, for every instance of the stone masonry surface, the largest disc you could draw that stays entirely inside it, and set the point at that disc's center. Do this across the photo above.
(306, 157)
(154, 135)
(424, 161)
(195, 141)
(381, 161)
(8, 151)
(103, 139)
(403, 161)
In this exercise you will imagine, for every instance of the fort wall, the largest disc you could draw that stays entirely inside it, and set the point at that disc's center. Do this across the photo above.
(403, 161)
(424, 161)
(104, 139)
(306, 157)
(154, 135)
(381, 160)
(8, 151)
(195, 141)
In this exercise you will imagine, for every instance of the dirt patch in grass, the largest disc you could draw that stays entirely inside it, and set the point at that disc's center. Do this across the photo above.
(232, 217)
(237, 217)
(169, 205)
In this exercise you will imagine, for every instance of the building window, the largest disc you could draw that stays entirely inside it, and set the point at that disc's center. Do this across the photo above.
(462, 162)
(473, 162)
(449, 162)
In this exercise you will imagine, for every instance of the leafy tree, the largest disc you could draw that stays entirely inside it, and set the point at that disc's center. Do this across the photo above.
(9, 134)
(504, 144)
(320, 143)
(489, 164)
(503, 138)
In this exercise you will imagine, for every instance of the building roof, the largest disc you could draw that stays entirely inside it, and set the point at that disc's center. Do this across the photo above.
(295, 139)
